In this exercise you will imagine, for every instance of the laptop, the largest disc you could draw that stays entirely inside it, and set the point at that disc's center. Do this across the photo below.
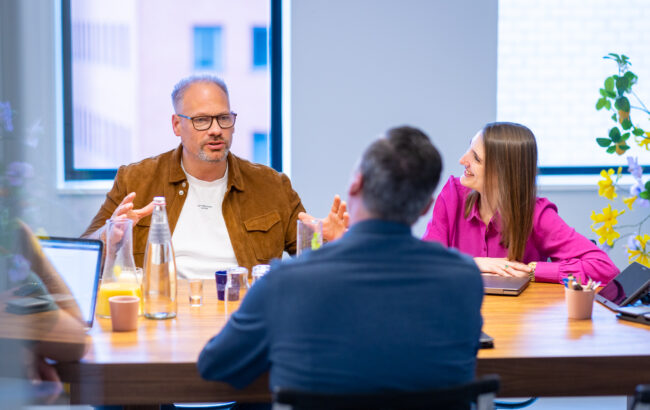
(79, 263)
(504, 285)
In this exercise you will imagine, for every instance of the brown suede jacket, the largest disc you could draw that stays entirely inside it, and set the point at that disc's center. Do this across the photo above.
(260, 208)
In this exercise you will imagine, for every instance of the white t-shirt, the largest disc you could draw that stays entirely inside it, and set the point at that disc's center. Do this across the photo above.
(201, 241)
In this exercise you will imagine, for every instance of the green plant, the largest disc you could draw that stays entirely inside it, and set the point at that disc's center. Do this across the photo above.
(615, 96)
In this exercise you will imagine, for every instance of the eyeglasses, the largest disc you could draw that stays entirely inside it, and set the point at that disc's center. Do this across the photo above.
(204, 122)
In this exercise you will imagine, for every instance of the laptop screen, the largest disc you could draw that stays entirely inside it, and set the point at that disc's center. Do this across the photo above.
(78, 262)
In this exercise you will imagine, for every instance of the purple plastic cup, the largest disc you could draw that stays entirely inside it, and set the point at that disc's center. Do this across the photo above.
(221, 277)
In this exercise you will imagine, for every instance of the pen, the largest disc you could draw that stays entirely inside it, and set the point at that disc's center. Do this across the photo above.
(575, 285)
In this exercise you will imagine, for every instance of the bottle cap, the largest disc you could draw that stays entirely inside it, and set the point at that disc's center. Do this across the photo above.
(159, 200)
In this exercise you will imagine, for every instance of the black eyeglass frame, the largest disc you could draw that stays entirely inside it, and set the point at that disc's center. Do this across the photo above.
(212, 119)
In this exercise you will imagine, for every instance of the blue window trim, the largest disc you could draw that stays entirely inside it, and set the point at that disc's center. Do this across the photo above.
(275, 67)
(593, 170)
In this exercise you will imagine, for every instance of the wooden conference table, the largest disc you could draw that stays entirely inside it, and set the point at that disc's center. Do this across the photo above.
(538, 352)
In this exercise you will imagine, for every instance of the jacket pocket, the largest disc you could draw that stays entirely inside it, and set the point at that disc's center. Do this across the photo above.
(266, 236)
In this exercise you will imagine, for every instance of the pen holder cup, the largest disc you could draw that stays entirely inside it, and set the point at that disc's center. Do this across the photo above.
(579, 303)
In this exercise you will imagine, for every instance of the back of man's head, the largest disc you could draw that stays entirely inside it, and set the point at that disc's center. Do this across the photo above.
(400, 171)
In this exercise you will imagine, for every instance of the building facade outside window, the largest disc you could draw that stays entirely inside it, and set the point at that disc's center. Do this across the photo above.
(208, 49)
(123, 59)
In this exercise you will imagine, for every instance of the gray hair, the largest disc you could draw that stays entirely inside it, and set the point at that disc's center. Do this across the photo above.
(181, 86)
(400, 171)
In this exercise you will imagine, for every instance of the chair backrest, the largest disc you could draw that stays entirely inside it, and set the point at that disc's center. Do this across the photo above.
(480, 392)
(642, 397)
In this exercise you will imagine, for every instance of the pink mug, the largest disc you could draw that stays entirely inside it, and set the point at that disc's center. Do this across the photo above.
(124, 312)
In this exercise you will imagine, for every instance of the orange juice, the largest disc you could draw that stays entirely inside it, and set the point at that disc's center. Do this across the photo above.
(106, 290)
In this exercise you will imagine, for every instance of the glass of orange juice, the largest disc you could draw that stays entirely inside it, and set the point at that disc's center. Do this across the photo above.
(126, 283)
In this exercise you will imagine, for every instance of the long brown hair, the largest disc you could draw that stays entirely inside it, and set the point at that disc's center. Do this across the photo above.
(510, 171)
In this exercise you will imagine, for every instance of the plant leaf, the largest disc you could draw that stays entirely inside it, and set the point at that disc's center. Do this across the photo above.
(622, 104)
(609, 84)
(638, 132)
(603, 142)
(608, 105)
(645, 195)
(631, 77)
(614, 117)
(601, 103)
(611, 94)
(647, 186)
(626, 124)
(622, 84)
(625, 136)
(611, 149)
(615, 134)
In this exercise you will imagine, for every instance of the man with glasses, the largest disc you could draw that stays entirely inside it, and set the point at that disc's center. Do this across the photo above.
(223, 211)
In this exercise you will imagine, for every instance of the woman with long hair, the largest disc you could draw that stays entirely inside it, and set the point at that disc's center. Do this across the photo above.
(492, 213)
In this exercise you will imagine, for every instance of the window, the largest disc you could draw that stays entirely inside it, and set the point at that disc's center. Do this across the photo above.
(121, 61)
(550, 68)
(207, 48)
(260, 47)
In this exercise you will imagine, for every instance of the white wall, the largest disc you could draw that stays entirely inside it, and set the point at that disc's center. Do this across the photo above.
(358, 67)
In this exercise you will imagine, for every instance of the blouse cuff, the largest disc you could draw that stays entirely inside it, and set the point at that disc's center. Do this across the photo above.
(547, 272)
(556, 271)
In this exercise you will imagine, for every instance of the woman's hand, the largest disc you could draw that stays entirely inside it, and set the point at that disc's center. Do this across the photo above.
(502, 267)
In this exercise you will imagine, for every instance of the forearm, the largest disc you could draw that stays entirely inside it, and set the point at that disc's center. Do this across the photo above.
(66, 340)
(600, 269)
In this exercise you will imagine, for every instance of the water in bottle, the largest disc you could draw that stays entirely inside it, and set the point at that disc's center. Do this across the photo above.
(159, 267)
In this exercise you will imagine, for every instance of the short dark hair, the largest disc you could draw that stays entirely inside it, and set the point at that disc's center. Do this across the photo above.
(181, 86)
(400, 171)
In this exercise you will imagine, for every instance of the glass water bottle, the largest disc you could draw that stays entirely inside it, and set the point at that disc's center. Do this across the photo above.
(159, 267)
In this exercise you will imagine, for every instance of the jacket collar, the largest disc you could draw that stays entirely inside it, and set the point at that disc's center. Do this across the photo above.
(176, 173)
(372, 226)
(234, 173)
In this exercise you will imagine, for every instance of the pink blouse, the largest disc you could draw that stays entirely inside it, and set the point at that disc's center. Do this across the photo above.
(558, 248)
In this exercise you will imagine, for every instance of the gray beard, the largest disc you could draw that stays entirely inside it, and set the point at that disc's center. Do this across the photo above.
(204, 157)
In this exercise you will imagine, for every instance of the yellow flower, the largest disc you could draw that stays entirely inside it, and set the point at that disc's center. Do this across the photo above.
(606, 232)
(642, 255)
(645, 142)
(629, 201)
(607, 188)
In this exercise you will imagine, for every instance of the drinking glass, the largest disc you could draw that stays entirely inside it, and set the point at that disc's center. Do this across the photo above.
(259, 271)
(310, 235)
(196, 292)
(235, 289)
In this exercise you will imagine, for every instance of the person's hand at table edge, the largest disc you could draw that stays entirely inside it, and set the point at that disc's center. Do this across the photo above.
(502, 267)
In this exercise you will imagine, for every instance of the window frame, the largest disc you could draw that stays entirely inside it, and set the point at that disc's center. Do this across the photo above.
(72, 174)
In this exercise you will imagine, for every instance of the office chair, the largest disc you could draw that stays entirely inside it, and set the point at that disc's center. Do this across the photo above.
(478, 395)
(641, 397)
